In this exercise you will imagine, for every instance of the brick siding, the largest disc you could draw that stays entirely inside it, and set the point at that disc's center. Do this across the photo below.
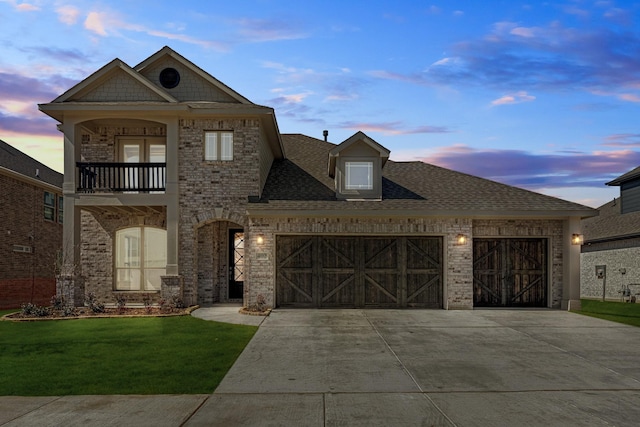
(26, 277)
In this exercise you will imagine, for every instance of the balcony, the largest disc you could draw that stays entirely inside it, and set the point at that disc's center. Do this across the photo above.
(121, 177)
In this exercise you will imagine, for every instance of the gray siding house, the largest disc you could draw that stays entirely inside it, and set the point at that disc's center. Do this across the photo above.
(175, 184)
(610, 265)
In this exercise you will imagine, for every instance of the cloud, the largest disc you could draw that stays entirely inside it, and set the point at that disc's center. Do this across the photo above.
(514, 98)
(266, 30)
(603, 61)
(68, 14)
(21, 88)
(106, 23)
(23, 7)
(40, 125)
(392, 128)
(627, 140)
(536, 171)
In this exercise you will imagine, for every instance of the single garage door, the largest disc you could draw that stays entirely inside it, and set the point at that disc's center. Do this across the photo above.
(359, 271)
(510, 272)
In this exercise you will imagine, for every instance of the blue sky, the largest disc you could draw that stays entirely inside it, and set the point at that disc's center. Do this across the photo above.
(541, 95)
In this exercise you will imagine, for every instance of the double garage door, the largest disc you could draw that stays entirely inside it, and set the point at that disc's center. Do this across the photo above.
(359, 271)
(405, 271)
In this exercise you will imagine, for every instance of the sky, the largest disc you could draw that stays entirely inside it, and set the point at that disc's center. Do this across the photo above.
(541, 95)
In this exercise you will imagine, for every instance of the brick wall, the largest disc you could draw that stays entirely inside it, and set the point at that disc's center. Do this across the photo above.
(458, 286)
(458, 274)
(213, 190)
(26, 277)
(614, 260)
(96, 250)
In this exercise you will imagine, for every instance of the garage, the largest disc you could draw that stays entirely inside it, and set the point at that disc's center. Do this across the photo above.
(510, 272)
(359, 271)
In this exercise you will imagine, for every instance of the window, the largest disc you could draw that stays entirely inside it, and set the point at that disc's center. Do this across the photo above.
(60, 209)
(49, 206)
(359, 176)
(218, 146)
(140, 258)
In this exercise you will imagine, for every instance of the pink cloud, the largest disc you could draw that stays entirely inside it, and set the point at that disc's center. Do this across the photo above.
(392, 128)
(537, 171)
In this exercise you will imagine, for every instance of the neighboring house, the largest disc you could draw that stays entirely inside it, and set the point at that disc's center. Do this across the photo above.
(31, 218)
(175, 184)
(612, 241)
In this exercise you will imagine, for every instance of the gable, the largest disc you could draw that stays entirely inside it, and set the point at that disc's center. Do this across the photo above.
(115, 82)
(194, 83)
(118, 86)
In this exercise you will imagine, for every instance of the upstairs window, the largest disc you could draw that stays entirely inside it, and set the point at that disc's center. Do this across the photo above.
(218, 145)
(60, 209)
(49, 206)
(359, 176)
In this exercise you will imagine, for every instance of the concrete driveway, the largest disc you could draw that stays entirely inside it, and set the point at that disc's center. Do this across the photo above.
(431, 367)
(392, 368)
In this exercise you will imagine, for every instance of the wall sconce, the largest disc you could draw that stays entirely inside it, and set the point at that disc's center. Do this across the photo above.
(461, 239)
(260, 239)
(577, 239)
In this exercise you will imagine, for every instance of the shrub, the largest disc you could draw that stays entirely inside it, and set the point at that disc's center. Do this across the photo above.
(57, 302)
(93, 303)
(29, 309)
(121, 301)
(147, 301)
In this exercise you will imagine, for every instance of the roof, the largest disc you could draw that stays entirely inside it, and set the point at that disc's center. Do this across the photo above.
(15, 160)
(611, 224)
(300, 182)
(635, 173)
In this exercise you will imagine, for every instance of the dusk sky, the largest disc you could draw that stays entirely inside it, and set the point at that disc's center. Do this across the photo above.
(540, 95)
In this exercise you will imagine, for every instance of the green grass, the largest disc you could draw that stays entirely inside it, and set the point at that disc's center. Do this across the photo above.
(620, 312)
(155, 355)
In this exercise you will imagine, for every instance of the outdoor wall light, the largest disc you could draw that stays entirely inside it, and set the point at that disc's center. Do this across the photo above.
(461, 239)
(577, 239)
(260, 239)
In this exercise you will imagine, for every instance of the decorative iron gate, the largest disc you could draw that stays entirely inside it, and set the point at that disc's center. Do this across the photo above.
(510, 272)
(359, 271)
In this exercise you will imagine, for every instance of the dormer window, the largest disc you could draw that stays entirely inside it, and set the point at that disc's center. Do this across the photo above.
(359, 176)
(356, 165)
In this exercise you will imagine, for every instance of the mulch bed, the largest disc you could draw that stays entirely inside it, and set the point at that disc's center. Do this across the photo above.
(85, 313)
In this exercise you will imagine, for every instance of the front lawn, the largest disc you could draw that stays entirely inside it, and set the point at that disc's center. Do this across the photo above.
(153, 355)
(621, 312)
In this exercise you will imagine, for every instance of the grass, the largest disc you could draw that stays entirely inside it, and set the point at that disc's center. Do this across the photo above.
(168, 355)
(620, 312)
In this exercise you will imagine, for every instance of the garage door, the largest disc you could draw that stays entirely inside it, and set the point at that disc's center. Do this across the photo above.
(510, 272)
(350, 271)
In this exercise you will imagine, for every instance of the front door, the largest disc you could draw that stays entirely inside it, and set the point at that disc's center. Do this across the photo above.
(236, 263)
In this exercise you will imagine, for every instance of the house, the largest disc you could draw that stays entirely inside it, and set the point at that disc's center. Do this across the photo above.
(31, 218)
(610, 266)
(177, 185)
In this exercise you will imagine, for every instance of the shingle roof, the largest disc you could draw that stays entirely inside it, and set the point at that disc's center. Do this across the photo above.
(632, 174)
(301, 182)
(611, 223)
(13, 159)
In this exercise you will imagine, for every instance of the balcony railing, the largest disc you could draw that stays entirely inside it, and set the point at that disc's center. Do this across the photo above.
(120, 177)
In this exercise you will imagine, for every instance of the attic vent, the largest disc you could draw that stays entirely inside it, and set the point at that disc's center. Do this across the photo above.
(169, 78)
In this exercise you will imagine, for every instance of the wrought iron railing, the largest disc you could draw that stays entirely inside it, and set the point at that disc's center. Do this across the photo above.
(120, 177)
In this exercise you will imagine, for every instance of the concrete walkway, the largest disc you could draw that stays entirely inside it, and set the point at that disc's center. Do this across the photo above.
(392, 367)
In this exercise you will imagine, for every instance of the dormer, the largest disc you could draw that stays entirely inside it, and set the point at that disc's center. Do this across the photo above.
(356, 166)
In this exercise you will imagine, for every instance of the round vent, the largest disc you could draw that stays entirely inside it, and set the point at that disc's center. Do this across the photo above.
(169, 78)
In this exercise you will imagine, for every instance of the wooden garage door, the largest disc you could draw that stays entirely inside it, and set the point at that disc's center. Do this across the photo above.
(362, 271)
(510, 272)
